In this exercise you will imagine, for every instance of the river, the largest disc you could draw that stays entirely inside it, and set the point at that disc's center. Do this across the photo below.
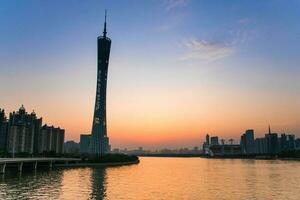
(161, 179)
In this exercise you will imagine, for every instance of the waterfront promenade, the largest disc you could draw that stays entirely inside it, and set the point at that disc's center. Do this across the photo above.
(33, 163)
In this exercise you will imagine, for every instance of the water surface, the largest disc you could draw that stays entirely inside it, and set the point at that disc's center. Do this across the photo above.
(161, 178)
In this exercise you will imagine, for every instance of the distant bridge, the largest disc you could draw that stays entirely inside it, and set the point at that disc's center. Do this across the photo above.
(33, 162)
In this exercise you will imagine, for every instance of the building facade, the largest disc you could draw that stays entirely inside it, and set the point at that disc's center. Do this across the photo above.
(297, 143)
(247, 142)
(23, 132)
(291, 142)
(225, 150)
(51, 139)
(100, 142)
(3, 130)
(205, 146)
(207, 139)
(85, 141)
(71, 147)
(260, 146)
(272, 143)
(214, 140)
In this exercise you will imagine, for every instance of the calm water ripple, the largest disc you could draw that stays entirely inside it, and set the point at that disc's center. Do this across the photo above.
(161, 178)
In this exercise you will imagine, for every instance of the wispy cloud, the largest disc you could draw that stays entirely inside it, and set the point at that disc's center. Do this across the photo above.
(243, 21)
(171, 23)
(172, 19)
(219, 46)
(207, 51)
(171, 4)
(242, 36)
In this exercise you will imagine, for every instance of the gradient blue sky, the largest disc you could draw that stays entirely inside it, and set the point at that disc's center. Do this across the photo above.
(178, 69)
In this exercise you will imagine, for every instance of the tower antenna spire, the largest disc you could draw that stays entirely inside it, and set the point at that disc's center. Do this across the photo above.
(104, 32)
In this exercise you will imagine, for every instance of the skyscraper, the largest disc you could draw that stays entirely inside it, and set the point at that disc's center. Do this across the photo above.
(51, 139)
(85, 141)
(247, 142)
(3, 130)
(100, 141)
(214, 140)
(272, 142)
(23, 132)
(207, 139)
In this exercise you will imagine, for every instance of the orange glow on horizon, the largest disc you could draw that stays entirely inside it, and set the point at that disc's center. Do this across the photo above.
(169, 120)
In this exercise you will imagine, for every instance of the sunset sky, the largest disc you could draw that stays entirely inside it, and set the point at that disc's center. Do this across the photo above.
(178, 68)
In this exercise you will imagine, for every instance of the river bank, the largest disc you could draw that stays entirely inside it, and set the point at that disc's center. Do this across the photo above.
(109, 164)
(242, 157)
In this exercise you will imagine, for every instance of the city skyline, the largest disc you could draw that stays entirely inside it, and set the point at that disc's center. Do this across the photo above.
(221, 74)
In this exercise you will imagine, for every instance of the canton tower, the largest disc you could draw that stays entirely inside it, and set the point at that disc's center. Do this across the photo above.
(99, 141)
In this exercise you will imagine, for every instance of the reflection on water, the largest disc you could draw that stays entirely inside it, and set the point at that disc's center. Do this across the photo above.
(161, 178)
(98, 181)
(27, 185)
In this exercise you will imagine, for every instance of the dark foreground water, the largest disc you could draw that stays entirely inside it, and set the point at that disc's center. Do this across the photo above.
(161, 178)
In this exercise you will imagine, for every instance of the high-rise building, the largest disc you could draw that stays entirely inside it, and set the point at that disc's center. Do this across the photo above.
(283, 144)
(261, 146)
(297, 143)
(23, 132)
(85, 141)
(247, 142)
(205, 146)
(207, 139)
(287, 142)
(51, 139)
(214, 140)
(71, 147)
(272, 142)
(291, 142)
(16, 140)
(100, 142)
(3, 130)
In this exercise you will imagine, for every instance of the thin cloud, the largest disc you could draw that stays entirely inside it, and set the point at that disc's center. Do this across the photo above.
(207, 51)
(171, 4)
(242, 36)
(244, 21)
(171, 23)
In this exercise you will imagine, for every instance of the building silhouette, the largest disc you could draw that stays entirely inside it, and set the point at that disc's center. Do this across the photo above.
(297, 143)
(99, 140)
(85, 140)
(224, 150)
(3, 130)
(207, 139)
(23, 132)
(269, 145)
(247, 142)
(291, 142)
(213, 148)
(272, 142)
(214, 140)
(283, 142)
(51, 139)
(71, 147)
(260, 146)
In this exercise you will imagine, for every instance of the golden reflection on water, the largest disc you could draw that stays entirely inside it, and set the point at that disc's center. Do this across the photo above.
(163, 178)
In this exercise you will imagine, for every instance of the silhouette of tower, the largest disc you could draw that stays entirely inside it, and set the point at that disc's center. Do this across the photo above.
(100, 141)
(207, 139)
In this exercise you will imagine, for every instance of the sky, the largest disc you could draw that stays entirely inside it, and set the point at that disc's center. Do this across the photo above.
(179, 69)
